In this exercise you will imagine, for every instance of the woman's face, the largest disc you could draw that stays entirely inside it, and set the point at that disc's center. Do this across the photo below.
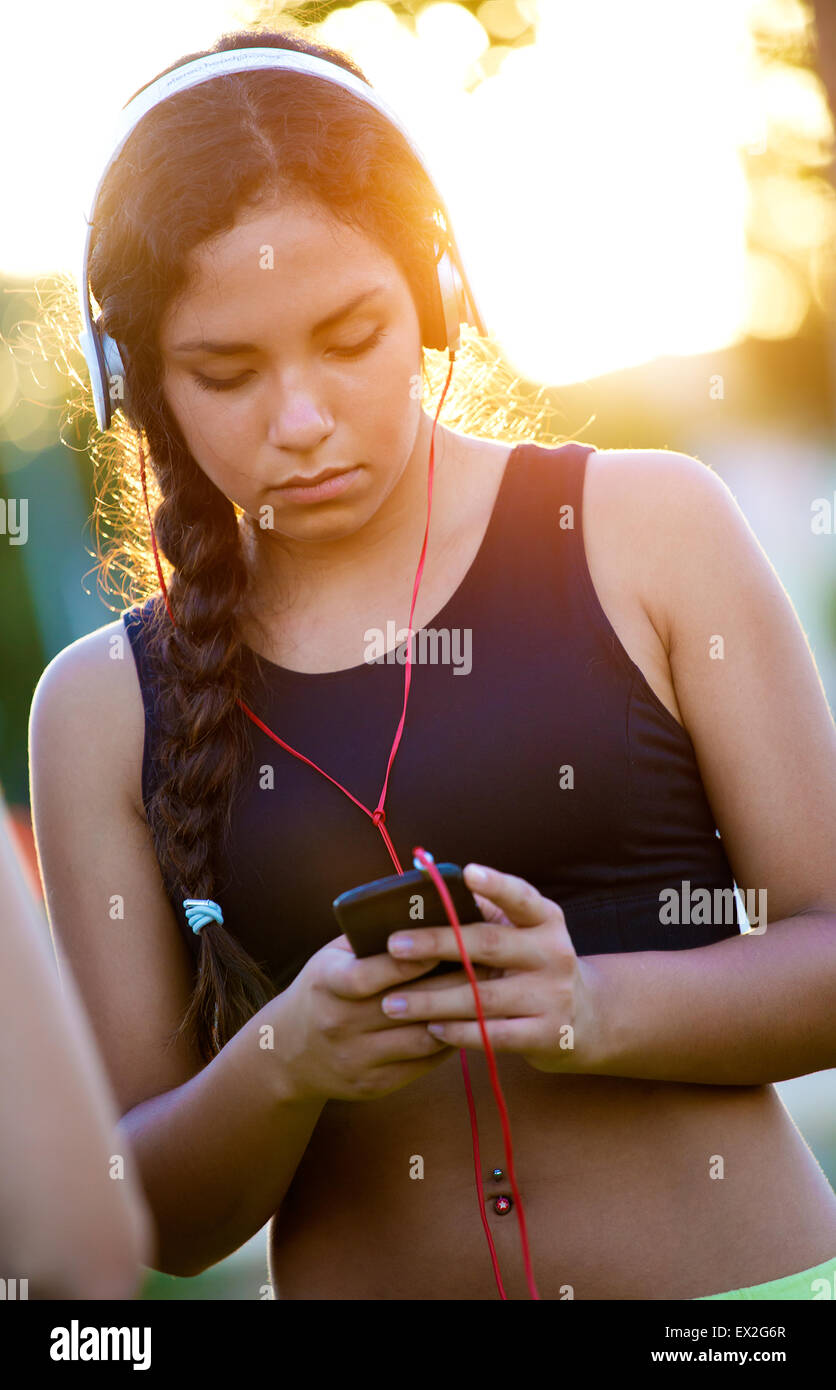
(304, 383)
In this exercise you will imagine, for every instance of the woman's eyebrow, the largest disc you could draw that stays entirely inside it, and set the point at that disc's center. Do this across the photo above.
(230, 349)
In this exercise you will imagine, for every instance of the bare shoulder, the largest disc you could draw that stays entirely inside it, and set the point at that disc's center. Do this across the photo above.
(632, 497)
(90, 691)
(639, 478)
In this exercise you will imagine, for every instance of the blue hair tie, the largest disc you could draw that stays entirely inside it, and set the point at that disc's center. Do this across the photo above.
(199, 911)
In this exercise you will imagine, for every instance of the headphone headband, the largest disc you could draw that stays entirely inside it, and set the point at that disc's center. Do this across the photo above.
(454, 302)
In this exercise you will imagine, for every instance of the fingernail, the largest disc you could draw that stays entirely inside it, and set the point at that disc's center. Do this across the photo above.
(477, 874)
(401, 945)
(396, 1004)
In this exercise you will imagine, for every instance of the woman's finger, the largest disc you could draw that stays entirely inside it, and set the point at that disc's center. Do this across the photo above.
(504, 1034)
(518, 899)
(501, 998)
(490, 911)
(486, 943)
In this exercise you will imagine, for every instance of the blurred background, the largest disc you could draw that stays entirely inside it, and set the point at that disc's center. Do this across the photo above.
(645, 196)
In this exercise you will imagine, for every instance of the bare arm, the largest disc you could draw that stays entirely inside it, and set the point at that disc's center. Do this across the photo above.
(754, 1008)
(214, 1147)
(742, 1012)
(65, 1225)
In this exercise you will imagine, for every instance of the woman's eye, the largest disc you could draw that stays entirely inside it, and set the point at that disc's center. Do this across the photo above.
(211, 383)
(365, 346)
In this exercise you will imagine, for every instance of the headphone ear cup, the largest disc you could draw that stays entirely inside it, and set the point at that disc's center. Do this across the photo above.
(452, 297)
(107, 372)
(116, 377)
(434, 330)
(91, 346)
(452, 300)
(458, 298)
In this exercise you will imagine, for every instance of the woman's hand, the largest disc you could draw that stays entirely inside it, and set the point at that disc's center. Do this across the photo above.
(334, 1041)
(539, 999)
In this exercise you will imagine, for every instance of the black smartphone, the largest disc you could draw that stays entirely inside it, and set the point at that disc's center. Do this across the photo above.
(368, 915)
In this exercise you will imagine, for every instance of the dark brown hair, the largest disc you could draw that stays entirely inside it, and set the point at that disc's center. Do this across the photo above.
(240, 140)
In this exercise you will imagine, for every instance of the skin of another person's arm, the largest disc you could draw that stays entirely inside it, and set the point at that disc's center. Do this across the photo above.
(66, 1226)
(214, 1146)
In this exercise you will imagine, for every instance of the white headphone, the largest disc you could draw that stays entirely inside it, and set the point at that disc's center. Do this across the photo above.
(453, 299)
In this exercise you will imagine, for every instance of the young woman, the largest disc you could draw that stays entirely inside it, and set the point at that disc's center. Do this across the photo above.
(262, 253)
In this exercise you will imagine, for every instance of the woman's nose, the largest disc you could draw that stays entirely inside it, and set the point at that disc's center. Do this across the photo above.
(298, 419)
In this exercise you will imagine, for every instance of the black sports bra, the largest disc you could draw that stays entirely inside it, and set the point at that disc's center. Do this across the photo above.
(551, 757)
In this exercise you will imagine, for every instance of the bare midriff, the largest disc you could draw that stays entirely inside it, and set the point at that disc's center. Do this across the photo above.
(632, 1189)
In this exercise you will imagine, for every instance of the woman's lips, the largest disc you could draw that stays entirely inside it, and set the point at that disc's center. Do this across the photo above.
(321, 491)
